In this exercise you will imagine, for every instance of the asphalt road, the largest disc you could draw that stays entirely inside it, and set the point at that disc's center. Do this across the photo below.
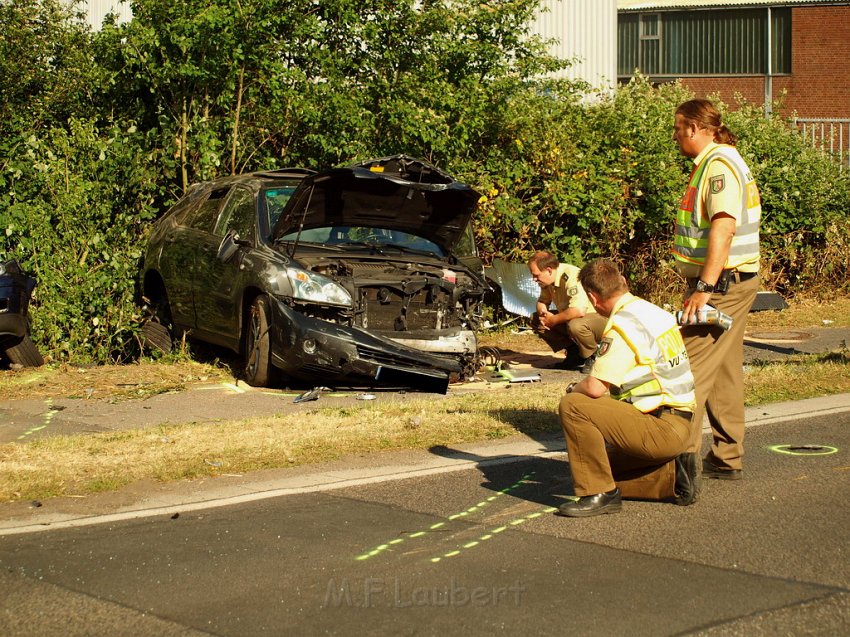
(472, 550)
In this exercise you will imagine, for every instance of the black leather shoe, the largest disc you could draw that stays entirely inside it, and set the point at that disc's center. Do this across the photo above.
(589, 505)
(710, 470)
(688, 478)
(587, 364)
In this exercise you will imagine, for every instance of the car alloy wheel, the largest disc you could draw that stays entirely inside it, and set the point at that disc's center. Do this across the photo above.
(258, 368)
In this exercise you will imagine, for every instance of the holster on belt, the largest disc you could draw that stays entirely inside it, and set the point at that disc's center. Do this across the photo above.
(722, 285)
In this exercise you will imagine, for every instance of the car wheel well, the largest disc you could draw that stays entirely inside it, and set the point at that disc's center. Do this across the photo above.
(154, 287)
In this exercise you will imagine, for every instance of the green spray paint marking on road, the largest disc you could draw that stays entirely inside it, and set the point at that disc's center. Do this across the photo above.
(804, 450)
(476, 507)
(493, 532)
(45, 422)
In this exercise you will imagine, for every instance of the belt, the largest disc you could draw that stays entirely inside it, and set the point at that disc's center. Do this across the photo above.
(737, 277)
(687, 415)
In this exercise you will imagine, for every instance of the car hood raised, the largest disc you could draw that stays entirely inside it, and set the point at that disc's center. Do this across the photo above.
(398, 192)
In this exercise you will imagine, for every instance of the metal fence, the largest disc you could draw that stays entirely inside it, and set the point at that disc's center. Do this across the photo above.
(829, 135)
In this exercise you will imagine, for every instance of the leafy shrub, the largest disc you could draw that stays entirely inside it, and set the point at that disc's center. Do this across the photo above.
(74, 214)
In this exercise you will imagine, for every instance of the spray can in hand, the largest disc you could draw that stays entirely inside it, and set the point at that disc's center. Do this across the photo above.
(707, 315)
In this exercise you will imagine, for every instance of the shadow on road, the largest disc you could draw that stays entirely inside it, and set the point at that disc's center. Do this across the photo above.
(541, 480)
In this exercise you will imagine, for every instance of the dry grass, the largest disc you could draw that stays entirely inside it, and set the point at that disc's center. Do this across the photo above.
(73, 465)
(116, 382)
(804, 313)
(798, 377)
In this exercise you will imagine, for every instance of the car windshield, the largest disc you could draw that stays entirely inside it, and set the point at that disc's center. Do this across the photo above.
(369, 237)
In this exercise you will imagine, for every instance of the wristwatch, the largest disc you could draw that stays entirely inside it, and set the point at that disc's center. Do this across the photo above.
(702, 286)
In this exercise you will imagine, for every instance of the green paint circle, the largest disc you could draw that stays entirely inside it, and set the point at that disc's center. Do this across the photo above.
(804, 450)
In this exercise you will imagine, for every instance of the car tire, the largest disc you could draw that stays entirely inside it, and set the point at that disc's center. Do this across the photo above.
(258, 366)
(25, 353)
(156, 336)
(156, 330)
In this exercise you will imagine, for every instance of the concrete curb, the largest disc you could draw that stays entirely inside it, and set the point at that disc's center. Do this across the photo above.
(323, 478)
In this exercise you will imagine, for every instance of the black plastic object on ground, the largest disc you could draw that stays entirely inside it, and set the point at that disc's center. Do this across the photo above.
(16, 288)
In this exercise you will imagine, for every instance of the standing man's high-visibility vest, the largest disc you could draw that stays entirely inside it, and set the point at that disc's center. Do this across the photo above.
(693, 224)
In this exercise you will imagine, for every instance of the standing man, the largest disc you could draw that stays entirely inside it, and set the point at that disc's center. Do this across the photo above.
(717, 251)
(632, 443)
(574, 325)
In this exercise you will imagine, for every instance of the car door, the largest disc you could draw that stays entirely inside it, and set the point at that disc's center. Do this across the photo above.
(218, 285)
(180, 245)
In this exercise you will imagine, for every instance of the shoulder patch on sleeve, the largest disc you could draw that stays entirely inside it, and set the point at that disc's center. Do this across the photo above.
(572, 291)
(603, 347)
(717, 184)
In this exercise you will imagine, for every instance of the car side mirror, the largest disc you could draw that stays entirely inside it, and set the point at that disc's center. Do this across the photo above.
(229, 246)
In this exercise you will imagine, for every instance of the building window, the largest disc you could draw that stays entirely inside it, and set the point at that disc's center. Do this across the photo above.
(711, 42)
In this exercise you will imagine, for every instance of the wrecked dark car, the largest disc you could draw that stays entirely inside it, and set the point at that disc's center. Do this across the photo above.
(360, 275)
(16, 346)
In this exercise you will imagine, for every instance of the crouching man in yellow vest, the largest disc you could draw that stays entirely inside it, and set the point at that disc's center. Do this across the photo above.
(633, 442)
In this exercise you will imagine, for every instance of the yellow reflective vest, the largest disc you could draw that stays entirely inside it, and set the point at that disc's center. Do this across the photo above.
(693, 225)
(660, 374)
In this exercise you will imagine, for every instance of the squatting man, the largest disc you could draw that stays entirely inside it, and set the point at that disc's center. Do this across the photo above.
(632, 442)
(574, 326)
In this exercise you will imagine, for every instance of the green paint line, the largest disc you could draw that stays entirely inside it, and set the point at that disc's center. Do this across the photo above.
(454, 516)
(45, 420)
(488, 536)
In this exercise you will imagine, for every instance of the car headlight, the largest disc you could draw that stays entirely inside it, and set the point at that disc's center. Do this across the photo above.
(308, 286)
(2, 269)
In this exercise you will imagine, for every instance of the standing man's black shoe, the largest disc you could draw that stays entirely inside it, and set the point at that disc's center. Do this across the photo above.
(688, 478)
(710, 470)
(589, 505)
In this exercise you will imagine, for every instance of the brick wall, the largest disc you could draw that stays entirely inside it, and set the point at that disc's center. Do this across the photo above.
(819, 84)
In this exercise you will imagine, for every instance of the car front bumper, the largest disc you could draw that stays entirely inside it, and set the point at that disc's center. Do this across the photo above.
(305, 347)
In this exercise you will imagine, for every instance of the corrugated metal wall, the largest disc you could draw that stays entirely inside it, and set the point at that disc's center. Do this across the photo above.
(585, 29)
(96, 10)
(692, 43)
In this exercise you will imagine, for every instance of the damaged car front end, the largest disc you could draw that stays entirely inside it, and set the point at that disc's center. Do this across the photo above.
(391, 239)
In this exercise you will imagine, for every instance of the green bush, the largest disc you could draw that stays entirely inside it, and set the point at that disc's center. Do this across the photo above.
(604, 179)
(77, 204)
